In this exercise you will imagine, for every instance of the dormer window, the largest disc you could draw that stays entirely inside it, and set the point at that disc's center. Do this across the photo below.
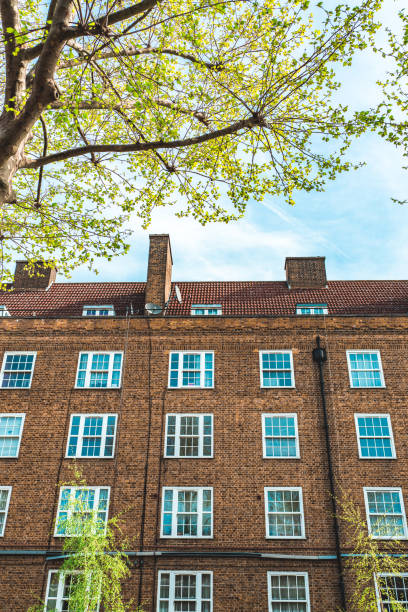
(4, 312)
(311, 309)
(98, 311)
(206, 309)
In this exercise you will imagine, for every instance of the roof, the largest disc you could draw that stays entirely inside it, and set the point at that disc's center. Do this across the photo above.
(252, 298)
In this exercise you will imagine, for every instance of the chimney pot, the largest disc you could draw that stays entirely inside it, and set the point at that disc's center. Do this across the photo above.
(306, 272)
(39, 277)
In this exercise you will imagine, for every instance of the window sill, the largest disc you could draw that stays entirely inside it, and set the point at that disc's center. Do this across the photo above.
(295, 458)
(285, 538)
(163, 537)
(97, 388)
(15, 388)
(390, 539)
(81, 458)
(190, 388)
(175, 457)
(377, 458)
(364, 388)
(275, 388)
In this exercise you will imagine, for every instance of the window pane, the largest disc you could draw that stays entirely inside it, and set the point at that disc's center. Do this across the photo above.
(393, 589)
(385, 513)
(374, 436)
(365, 369)
(288, 593)
(284, 513)
(280, 436)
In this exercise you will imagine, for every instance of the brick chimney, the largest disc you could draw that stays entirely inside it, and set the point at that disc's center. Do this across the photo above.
(306, 272)
(159, 268)
(41, 277)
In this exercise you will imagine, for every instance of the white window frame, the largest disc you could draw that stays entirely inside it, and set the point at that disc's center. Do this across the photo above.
(200, 435)
(302, 514)
(60, 591)
(292, 369)
(377, 588)
(14, 414)
(306, 577)
(3, 370)
(368, 517)
(4, 311)
(357, 415)
(109, 307)
(173, 574)
(312, 307)
(88, 370)
(9, 489)
(202, 370)
(80, 436)
(206, 308)
(174, 513)
(293, 415)
(349, 351)
(73, 489)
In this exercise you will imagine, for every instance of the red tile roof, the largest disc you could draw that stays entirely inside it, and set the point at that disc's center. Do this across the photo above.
(237, 298)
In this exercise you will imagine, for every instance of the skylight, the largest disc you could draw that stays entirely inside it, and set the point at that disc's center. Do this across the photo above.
(311, 309)
(98, 311)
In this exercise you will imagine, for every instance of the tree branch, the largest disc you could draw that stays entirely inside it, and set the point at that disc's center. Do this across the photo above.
(248, 123)
(98, 27)
(15, 66)
(44, 89)
(133, 51)
(40, 175)
(94, 105)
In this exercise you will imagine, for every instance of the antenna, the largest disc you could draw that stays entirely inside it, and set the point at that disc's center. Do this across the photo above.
(178, 294)
(153, 309)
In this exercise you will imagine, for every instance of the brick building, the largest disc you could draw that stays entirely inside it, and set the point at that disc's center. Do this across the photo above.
(209, 424)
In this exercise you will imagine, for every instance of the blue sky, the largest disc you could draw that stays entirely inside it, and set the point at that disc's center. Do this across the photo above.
(354, 223)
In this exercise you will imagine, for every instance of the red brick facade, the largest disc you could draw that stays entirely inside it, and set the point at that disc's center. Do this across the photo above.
(237, 472)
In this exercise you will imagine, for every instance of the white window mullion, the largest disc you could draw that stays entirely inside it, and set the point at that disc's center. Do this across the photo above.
(198, 592)
(202, 369)
(80, 443)
(177, 440)
(174, 503)
(110, 369)
(200, 513)
(172, 590)
(180, 370)
(103, 434)
(201, 435)
(88, 370)
(71, 501)
(60, 594)
(96, 503)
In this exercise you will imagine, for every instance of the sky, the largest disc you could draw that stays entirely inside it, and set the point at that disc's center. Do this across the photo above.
(353, 223)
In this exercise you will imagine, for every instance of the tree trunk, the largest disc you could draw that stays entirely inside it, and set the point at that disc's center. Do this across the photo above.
(8, 168)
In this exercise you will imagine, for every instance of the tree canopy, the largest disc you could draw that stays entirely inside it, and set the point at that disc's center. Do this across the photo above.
(113, 107)
(390, 117)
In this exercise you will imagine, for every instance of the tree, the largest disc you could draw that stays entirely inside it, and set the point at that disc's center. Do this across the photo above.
(390, 117)
(203, 103)
(96, 563)
(374, 566)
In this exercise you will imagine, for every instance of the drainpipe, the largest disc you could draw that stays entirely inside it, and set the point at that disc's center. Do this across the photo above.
(319, 357)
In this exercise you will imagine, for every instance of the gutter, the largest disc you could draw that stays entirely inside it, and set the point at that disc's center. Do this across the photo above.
(319, 357)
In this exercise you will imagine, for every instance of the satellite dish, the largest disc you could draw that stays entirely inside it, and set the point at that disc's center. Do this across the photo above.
(153, 309)
(178, 294)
